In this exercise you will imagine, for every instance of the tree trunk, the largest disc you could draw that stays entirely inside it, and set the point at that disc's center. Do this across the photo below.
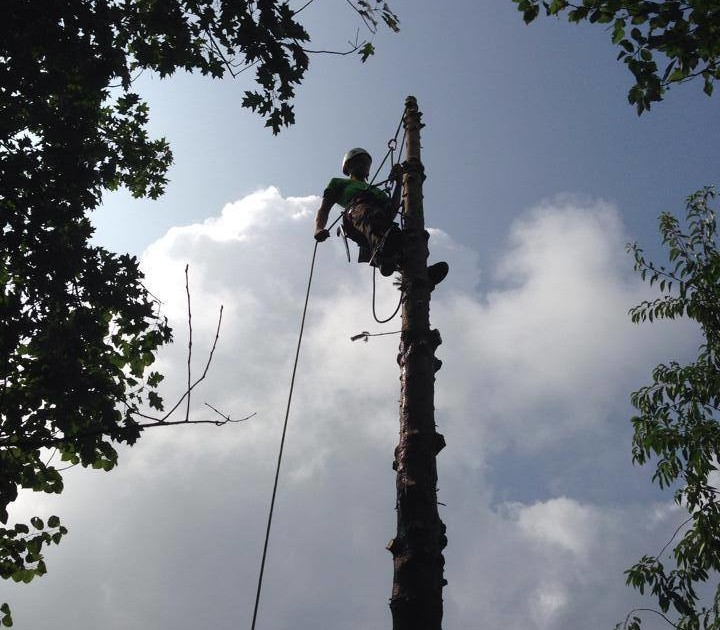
(416, 601)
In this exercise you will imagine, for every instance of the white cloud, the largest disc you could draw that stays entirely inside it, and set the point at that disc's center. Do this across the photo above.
(551, 347)
(539, 359)
(562, 523)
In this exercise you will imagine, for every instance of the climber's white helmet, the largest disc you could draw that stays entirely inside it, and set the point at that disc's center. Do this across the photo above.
(350, 155)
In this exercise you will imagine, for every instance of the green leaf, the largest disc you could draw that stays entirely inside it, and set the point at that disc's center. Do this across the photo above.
(6, 619)
(155, 401)
(531, 13)
(618, 31)
(366, 51)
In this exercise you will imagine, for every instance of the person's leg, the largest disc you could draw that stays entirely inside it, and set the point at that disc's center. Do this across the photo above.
(373, 223)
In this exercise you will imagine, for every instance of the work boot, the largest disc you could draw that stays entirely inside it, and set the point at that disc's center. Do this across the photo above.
(437, 272)
(388, 266)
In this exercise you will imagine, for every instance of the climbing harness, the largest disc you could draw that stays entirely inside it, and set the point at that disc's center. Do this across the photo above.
(389, 185)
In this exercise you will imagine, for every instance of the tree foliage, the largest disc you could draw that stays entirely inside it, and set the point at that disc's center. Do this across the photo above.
(78, 330)
(662, 43)
(676, 426)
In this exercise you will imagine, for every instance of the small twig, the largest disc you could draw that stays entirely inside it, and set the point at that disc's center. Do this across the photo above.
(303, 7)
(246, 68)
(131, 81)
(355, 48)
(52, 456)
(197, 381)
(189, 357)
(365, 18)
(679, 527)
(217, 423)
(227, 418)
(219, 52)
(156, 422)
(66, 467)
(158, 301)
(652, 610)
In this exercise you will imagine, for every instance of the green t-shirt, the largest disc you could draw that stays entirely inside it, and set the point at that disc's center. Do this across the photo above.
(341, 191)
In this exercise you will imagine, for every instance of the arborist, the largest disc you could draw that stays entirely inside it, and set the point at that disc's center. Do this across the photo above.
(369, 215)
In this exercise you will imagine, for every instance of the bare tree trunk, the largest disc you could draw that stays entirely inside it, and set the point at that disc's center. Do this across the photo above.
(416, 601)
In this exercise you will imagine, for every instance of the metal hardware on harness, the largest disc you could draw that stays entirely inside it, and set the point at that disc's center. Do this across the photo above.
(341, 232)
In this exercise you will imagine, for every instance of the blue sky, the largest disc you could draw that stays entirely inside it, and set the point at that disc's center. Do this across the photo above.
(514, 114)
(538, 172)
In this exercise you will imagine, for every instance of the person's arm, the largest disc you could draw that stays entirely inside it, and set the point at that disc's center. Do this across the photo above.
(321, 219)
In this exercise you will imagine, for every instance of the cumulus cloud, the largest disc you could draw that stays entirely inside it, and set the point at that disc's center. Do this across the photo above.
(550, 342)
(539, 360)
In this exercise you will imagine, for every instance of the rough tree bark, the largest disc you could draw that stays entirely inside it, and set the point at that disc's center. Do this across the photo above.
(416, 602)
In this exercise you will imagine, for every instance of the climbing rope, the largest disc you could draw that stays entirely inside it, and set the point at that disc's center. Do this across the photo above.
(395, 312)
(282, 441)
(392, 145)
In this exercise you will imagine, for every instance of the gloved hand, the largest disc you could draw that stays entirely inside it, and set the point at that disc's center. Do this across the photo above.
(321, 235)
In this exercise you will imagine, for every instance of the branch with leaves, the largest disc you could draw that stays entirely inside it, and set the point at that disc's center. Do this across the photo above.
(676, 426)
(685, 36)
(79, 331)
(89, 444)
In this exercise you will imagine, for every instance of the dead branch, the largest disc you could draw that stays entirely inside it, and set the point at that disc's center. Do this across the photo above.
(217, 423)
(54, 441)
(189, 357)
(193, 385)
(303, 7)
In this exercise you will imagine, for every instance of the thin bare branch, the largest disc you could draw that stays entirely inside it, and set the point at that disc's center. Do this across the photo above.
(218, 51)
(217, 423)
(677, 531)
(132, 80)
(652, 610)
(364, 17)
(227, 418)
(52, 456)
(199, 380)
(246, 68)
(303, 7)
(189, 357)
(355, 48)
(66, 467)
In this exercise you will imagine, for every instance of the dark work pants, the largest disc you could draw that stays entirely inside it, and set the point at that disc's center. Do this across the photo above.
(368, 225)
